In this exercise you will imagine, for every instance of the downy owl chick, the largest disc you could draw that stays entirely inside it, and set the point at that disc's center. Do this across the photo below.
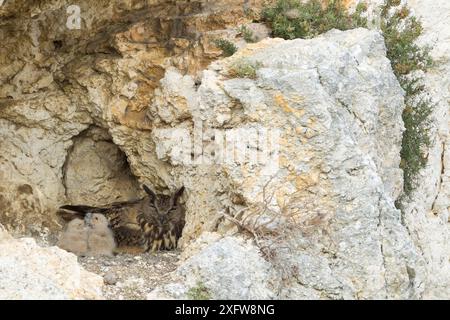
(100, 240)
(74, 237)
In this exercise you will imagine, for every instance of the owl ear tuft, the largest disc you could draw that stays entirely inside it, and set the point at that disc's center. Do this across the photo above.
(178, 194)
(149, 192)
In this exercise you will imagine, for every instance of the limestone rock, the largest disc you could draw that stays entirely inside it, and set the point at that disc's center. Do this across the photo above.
(66, 99)
(93, 160)
(336, 102)
(427, 213)
(33, 272)
(110, 279)
(230, 268)
(170, 291)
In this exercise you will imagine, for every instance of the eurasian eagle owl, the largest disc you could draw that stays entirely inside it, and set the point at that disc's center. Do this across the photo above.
(154, 222)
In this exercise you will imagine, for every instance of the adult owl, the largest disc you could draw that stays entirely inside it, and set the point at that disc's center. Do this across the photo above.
(152, 223)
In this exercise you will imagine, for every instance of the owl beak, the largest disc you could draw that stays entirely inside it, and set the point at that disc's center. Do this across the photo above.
(88, 219)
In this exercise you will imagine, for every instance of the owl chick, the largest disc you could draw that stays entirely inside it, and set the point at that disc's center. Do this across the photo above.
(74, 237)
(100, 240)
(88, 237)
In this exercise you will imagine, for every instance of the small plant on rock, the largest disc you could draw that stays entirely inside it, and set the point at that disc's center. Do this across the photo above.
(247, 34)
(228, 48)
(409, 61)
(244, 68)
(199, 292)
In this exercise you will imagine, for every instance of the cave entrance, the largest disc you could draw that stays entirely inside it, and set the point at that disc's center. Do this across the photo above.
(97, 172)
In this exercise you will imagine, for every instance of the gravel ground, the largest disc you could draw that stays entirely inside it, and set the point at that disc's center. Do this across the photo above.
(132, 277)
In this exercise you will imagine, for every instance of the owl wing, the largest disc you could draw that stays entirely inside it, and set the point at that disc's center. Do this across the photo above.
(128, 235)
(70, 212)
(123, 220)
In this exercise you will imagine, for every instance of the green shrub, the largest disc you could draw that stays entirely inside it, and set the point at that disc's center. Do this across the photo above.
(247, 34)
(244, 68)
(228, 48)
(290, 19)
(400, 31)
(200, 292)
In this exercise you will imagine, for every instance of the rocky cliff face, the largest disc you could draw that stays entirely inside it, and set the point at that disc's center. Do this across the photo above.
(132, 93)
(61, 78)
(336, 102)
(428, 212)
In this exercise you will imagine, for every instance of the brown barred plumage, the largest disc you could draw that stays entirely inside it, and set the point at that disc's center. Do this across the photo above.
(154, 222)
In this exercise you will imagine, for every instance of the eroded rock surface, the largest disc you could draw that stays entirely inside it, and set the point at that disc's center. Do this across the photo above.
(336, 102)
(29, 271)
(58, 82)
(427, 213)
